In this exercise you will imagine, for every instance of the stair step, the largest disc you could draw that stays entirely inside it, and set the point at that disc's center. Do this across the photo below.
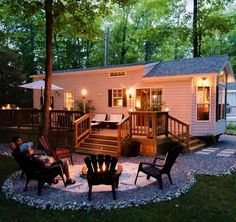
(98, 146)
(113, 138)
(84, 150)
(196, 147)
(100, 141)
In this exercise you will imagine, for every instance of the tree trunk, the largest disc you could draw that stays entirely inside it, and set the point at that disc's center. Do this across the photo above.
(48, 67)
(195, 29)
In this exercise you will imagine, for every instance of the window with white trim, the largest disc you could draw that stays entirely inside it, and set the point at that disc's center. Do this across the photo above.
(203, 103)
(220, 109)
(117, 97)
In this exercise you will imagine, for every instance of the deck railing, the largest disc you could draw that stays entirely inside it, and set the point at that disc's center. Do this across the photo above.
(154, 123)
(179, 130)
(148, 123)
(59, 119)
(82, 127)
(141, 123)
(124, 132)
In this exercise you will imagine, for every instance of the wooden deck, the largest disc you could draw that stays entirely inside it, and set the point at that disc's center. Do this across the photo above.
(70, 128)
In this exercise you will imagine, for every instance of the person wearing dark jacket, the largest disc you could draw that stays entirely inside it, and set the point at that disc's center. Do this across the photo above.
(40, 161)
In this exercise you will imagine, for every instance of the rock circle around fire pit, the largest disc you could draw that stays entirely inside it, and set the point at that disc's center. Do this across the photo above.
(75, 197)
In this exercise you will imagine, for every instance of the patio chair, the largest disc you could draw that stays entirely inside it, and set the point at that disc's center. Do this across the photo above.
(56, 152)
(98, 120)
(99, 117)
(42, 175)
(101, 169)
(114, 119)
(157, 170)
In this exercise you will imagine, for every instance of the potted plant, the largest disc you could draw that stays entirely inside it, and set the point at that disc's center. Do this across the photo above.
(133, 148)
(89, 107)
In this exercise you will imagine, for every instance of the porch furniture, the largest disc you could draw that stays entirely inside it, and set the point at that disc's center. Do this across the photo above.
(102, 169)
(99, 117)
(95, 126)
(42, 175)
(157, 170)
(114, 119)
(56, 152)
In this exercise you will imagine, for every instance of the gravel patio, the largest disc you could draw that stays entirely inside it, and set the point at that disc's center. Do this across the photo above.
(218, 159)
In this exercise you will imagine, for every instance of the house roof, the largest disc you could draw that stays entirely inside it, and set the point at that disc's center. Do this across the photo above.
(211, 64)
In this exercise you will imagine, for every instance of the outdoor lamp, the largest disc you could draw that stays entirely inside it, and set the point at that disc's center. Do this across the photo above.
(204, 81)
(84, 93)
(130, 92)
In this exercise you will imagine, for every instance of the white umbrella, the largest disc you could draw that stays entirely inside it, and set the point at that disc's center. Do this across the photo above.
(40, 84)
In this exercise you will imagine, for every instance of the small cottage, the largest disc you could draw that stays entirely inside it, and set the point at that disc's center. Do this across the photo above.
(192, 90)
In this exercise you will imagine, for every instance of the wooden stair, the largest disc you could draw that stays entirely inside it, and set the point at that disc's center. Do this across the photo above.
(196, 144)
(99, 144)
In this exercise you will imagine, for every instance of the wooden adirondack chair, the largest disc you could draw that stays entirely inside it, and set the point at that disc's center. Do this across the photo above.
(56, 152)
(101, 169)
(42, 175)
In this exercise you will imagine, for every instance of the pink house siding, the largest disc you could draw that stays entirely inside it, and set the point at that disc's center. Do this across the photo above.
(178, 80)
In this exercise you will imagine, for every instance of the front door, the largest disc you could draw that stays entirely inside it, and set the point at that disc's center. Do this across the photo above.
(149, 99)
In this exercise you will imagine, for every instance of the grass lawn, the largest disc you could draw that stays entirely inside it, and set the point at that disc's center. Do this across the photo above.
(231, 129)
(211, 199)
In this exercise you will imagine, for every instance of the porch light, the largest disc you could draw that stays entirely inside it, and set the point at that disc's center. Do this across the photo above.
(204, 81)
(84, 93)
(130, 92)
(57, 93)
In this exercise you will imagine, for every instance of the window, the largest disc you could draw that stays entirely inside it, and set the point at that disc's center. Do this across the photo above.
(69, 100)
(117, 98)
(220, 108)
(203, 103)
(222, 78)
(157, 99)
(221, 96)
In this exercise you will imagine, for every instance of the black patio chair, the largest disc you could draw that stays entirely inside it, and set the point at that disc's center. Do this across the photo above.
(157, 170)
(42, 175)
(101, 169)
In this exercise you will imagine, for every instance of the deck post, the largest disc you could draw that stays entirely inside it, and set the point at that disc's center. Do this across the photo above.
(166, 124)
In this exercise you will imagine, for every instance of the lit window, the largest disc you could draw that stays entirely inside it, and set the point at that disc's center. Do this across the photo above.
(203, 103)
(117, 95)
(220, 108)
(69, 100)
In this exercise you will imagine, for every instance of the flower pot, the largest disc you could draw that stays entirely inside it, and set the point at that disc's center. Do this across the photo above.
(134, 148)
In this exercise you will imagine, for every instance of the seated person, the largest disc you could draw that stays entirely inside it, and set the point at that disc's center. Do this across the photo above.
(40, 161)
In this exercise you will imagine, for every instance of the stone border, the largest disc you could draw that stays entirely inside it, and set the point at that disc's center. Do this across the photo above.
(135, 197)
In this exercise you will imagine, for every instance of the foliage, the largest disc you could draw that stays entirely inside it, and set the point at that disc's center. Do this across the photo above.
(231, 129)
(89, 107)
(140, 31)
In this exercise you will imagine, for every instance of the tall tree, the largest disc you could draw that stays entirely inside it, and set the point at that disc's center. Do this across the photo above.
(203, 13)
(195, 29)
